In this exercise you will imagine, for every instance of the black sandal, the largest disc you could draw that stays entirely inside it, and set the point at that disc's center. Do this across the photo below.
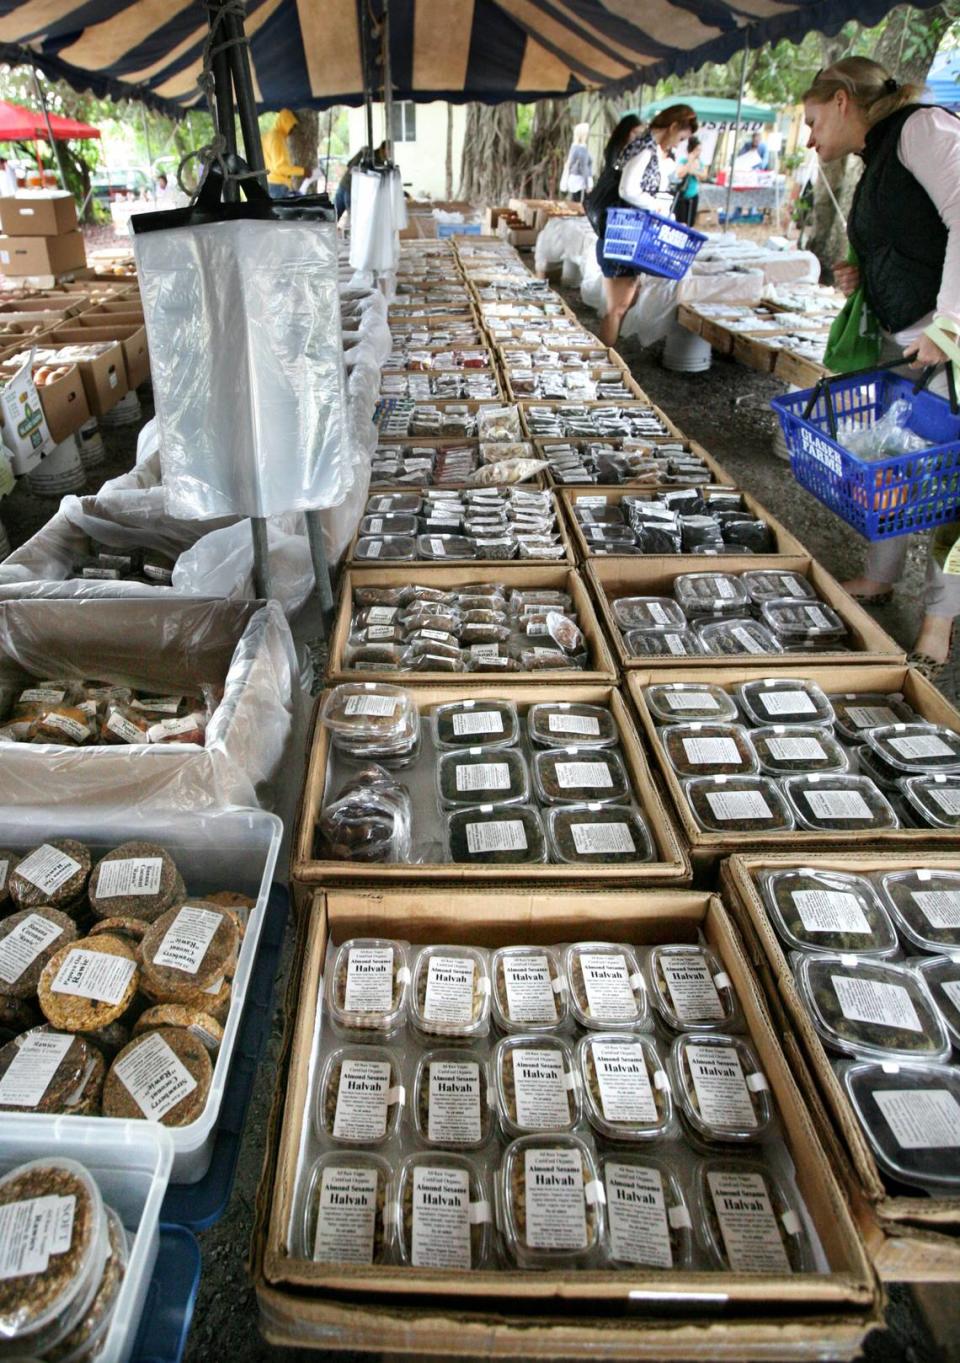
(930, 667)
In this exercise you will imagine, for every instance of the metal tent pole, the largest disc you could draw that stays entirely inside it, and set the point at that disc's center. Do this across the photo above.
(736, 135)
(365, 64)
(146, 136)
(38, 90)
(387, 79)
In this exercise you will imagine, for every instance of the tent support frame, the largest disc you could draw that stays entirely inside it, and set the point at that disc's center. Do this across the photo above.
(736, 134)
(41, 100)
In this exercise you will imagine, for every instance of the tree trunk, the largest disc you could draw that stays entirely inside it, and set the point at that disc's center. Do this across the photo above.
(497, 166)
(909, 41)
(449, 165)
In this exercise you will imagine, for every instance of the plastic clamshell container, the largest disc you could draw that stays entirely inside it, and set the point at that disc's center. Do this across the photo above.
(648, 612)
(558, 724)
(734, 636)
(871, 1010)
(598, 835)
(368, 1112)
(942, 975)
(460, 1102)
(793, 749)
(626, 1092)
(648, 1221)
(385, 549)
(670, 643)
(536, 1085)
(835, 803)
(422, 1179)
(884, 776)
(857, 711)
(389, 523)
(607, 989)
(690, 990)
(442, 547)
(925, 905)
(477, 723)
(685, 702)
(357, 1168)
(366, 987)
(578, 775)
(213, 850)
(529, 989)
(828, 911)
(796, 622)
(358, 712)
(738, 804)
(935, 798)
(720, 1090)
(771, 584)
(710, 594)
(567, 1225)
(917, 749)
(450, 993)
(910, 1115)
(508, 835)
(747, 1221)
(130, 1162)
(470, 776)
(784, 700)
(386, 503)
(708, 749)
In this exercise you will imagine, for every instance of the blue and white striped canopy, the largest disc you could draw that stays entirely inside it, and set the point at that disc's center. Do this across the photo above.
(306, 53)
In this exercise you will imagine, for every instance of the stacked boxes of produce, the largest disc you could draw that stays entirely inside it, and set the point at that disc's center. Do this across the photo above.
(41, 235)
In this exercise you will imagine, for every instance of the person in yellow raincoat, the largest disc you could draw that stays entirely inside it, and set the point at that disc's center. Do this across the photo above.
(276, 154)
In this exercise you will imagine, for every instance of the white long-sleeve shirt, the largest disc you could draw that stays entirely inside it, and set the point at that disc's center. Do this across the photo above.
(929, 148)
(631, 178)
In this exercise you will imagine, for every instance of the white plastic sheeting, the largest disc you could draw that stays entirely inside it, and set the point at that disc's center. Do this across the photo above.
(377, 215)
(243, 321)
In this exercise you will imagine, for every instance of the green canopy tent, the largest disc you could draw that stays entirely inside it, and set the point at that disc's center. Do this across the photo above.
(709, 110)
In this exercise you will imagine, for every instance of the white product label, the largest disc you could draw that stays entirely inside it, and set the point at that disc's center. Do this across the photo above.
(381, 615)
(440, 636)
(692, 700)
(369, 987)
(186, 940)
(173, 728)
(562, 723)
(602, 838)
(376, 526)
(485, 651)
(729, 805)
(48, 868)
(454, 1102)
(361, 1113)
(625, 1092)
(158, 705)
(941, 908)
(31, 1231)
(787, 703)
(722, 1094)
(383, 706)
(123, 728)
(539, 1083)
(701, 752)
(795, 749)
(346, 1216)
(437, 547)
(751, 1235)
(155, 1077)
(921, 745)
(484, 776)
(921, 1119)
(129, 876)
(816, 617)
(692, 990)
(656, 612)
(441, 1218)
(576, 775)
(870, 716)
(838, 804)
(67, 725)
(449, 996)
(556, 1209)
(41, 695)
(747, 641)
(639, 1233)
(830, 911)
(21, 947)
(379, 632)
(94, 975)
(947, 797)
(884, 1005)
(37, 1060)
(675, 645)
(373, 549)
(606, 979)
(529, 985)
(477, 722)
(506, 835)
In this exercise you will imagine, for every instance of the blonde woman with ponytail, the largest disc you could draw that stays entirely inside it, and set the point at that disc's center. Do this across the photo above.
(904, 226)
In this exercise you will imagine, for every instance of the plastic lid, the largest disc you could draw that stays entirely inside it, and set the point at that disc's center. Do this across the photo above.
(910, 1115)
(452, 1103)
(551, 1201)
(382, 502)
(536, 1085)
(626, 1092)
(343, 1188)
(683, 702)
(747, 1221)
(576, 775)
(443, 1214)
(469, 776)
(828, 911)
(871, 1009)
(648, 1221)
(784, 700)
(670, 643)
(837, 803)
(607, 989)
(942, 974)
(738, 804)
(770, 584)
(386, 548)
(479, 723)
(720, 1088)
(795, 621)
(374, 712)
(496, 835)
(736, 635)
(367, 982)
(857, 711)
(558, 724)
(450, 994)
(705, 593)
(599, 835)
(917, 748)
(529, 990)
(647, 612)
(708, 749)
(690, 990)
(925, 905)
(870, 764)
(935, 798)
(360, 1096)
(784, 750)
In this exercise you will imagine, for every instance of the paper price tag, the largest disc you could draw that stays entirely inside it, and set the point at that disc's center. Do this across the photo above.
(129, 876)
(94, 975)
(187, 939)
(884, 1005)
(21, 947)
(506, 835)
(155, 1077)
(48, 868)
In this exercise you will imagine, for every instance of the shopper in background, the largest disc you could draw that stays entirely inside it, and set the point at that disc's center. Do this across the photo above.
(688, 192)
(577, 177)
(758, 151)
(904, 226)
(281, 172)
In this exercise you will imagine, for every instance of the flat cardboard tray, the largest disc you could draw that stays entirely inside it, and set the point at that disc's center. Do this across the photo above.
(721, 478)
(908, 1238)
(601, 667)
(646, 1314)
(672, 429)
(308, 873)
(629, 382)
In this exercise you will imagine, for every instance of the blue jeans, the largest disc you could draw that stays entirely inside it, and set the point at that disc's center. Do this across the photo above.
(341, 202)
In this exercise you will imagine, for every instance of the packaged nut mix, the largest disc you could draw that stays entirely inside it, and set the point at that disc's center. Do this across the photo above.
(187, 949)
(784, 700)
(690, 990)
(199, 1024)
(925, 905)
(648, 1223)
(86, 1340)
(450, 995)
(606, 986)
(855, 712)
(453, 1102)
(788, 750)
(135, 880)
(839, 804)
(684, 702)
(578, 775)
(942, 977)
(367, 981)
(910, 1115)
(626, 1090)
(831, 911)
(47, 1071)
(344, 1214)
(442, 1212)
(599, 835)
(89, 983)
(738, 804)
(747, 1221)
(721, 1091)
(708, 749)
(557, 724)
(163, 1075)
(494, 835)
(550, 1201)
(479, 723)
(529, 990)
(536, 1084)
(470, 776)
(27, 941)
(55, 873)
(361, 1095)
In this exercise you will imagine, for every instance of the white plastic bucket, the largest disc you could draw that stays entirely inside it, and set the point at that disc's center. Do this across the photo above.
(60, 472)
(92, 451)
(685, 353)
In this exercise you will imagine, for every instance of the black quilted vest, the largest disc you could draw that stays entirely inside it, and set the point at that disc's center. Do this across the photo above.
(896, 231)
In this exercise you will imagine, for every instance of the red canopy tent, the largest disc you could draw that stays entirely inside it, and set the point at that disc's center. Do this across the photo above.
(21, 125)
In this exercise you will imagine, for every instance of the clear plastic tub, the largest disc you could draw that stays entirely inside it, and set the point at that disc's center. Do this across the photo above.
(910, 1115)
(557, 724)
(710, 594)
(769, 584)
(452, 1103)
(747, 1221)
(736, 635)
(837, 803)
(871, 1010)
(648, 1221)
(598, 835)
(786, 750)
(385, 503)
(479, 723)
(450, 994)
(885, 777)
(857, 711)
(344, 1210)
(799, 622)
(690, 990)
(360, 1097)
(442, 547)
(784, 700)
(685, 702)
(442, 1212)
(529, 989)
(917, 749)
(925, 905)
(607, 990)
(936, 799)
(385, 549)
(942, 976)
(670, 643)
(371, 719)
(579, 775)
(648, 612)
(389, 523)
(536, 1085)
(708, 749)
(550, 1202)
(502, 835)
(366, 986)
(471, 775)
(738, 804)
(828, 911)
(626, 1092)
(720, 1089)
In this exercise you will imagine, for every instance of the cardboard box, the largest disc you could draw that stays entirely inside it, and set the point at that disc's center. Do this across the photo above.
(601, 665)
(49, 304)
(104, 377)
(491, 218)
(672, 429)
(719, 475)
(64, 402)
(571, 1314)
(908, 1238)
(41, 255)
(593, 371)
(308, 873)
(38, 215)
(650, 575)
(131, 335)
(118, 312)
(706, 849)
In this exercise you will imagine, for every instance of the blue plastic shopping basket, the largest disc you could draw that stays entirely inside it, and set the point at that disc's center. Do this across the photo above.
(880, 498)
(656, 245)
